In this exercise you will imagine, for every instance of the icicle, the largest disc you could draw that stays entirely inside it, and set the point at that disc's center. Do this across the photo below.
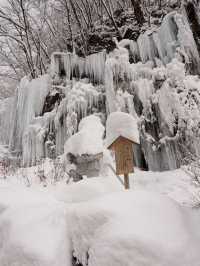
(95, 66)
(29, 101)
(55, 63)
(110, 92)
(143, 44)
(6, 119)
(187, 43)
(143, 89)
(134, 51)
(68, 65)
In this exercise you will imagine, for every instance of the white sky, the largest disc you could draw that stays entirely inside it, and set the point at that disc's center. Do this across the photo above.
(3, 2)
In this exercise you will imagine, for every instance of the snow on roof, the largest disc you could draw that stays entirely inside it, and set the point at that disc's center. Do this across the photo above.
(89, 139)
(121, 124)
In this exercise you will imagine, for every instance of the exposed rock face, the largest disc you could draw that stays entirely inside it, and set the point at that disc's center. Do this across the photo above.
(89, 165)
(191, 9)
(51, 100)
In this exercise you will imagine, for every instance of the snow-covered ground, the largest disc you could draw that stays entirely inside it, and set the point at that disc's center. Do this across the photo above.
(33, 229)
(177, 184)
(134, 228)
(42, 223)
(40, 226)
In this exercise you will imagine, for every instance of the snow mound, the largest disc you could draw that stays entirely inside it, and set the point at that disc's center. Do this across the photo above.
(88, 189)
(133, 228)
(121, 124)
(89, 138)
(33, 229)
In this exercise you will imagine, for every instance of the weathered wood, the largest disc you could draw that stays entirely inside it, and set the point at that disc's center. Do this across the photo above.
(126, 181)
(123, 149)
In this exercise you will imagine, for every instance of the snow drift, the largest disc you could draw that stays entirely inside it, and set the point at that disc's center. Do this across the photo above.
(133, 228)
(33, 229)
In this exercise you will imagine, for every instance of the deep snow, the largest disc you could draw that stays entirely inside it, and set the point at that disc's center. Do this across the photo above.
(33, 229)
(40, 226)
(134, 228)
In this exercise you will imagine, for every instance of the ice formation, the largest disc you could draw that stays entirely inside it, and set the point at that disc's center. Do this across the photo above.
(81, 100)
(173, 38)
(71, 65)
(34, 132)
(6, 106)
(157, 90)
(28, 104)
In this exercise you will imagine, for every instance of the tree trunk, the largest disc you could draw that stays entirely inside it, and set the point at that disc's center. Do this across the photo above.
(138, 11)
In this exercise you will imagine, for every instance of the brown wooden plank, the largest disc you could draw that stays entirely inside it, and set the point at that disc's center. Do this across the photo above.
(123, 156)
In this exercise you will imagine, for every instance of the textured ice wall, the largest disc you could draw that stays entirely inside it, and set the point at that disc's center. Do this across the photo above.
(140, 89)
(71, 65)
(28, 104)
(6, 106)
(46, 134)
(173, 39)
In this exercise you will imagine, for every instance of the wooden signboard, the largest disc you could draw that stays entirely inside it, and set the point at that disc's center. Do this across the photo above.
(123, 149)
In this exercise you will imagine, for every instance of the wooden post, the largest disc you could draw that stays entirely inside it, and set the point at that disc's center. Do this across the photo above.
(126, 181)
(123, 150)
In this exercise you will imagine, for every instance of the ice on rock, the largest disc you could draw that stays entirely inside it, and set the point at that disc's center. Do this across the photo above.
(172, 118)
(173, 38)
(79, 102)
(143, 89)
(68, 64)
(31, 130)
(95, 66)
(6, 106)
(34, 139)
(157, 88)
(109, 84)
(167, 103)
(28, 104)
(147, 48)
(133, 46)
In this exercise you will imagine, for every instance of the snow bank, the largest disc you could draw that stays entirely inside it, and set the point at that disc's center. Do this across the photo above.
(88, 189)
(89, 138)
(121, 124)
(125, 229)
(33, 229)
(176, 184)
(114, 227)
